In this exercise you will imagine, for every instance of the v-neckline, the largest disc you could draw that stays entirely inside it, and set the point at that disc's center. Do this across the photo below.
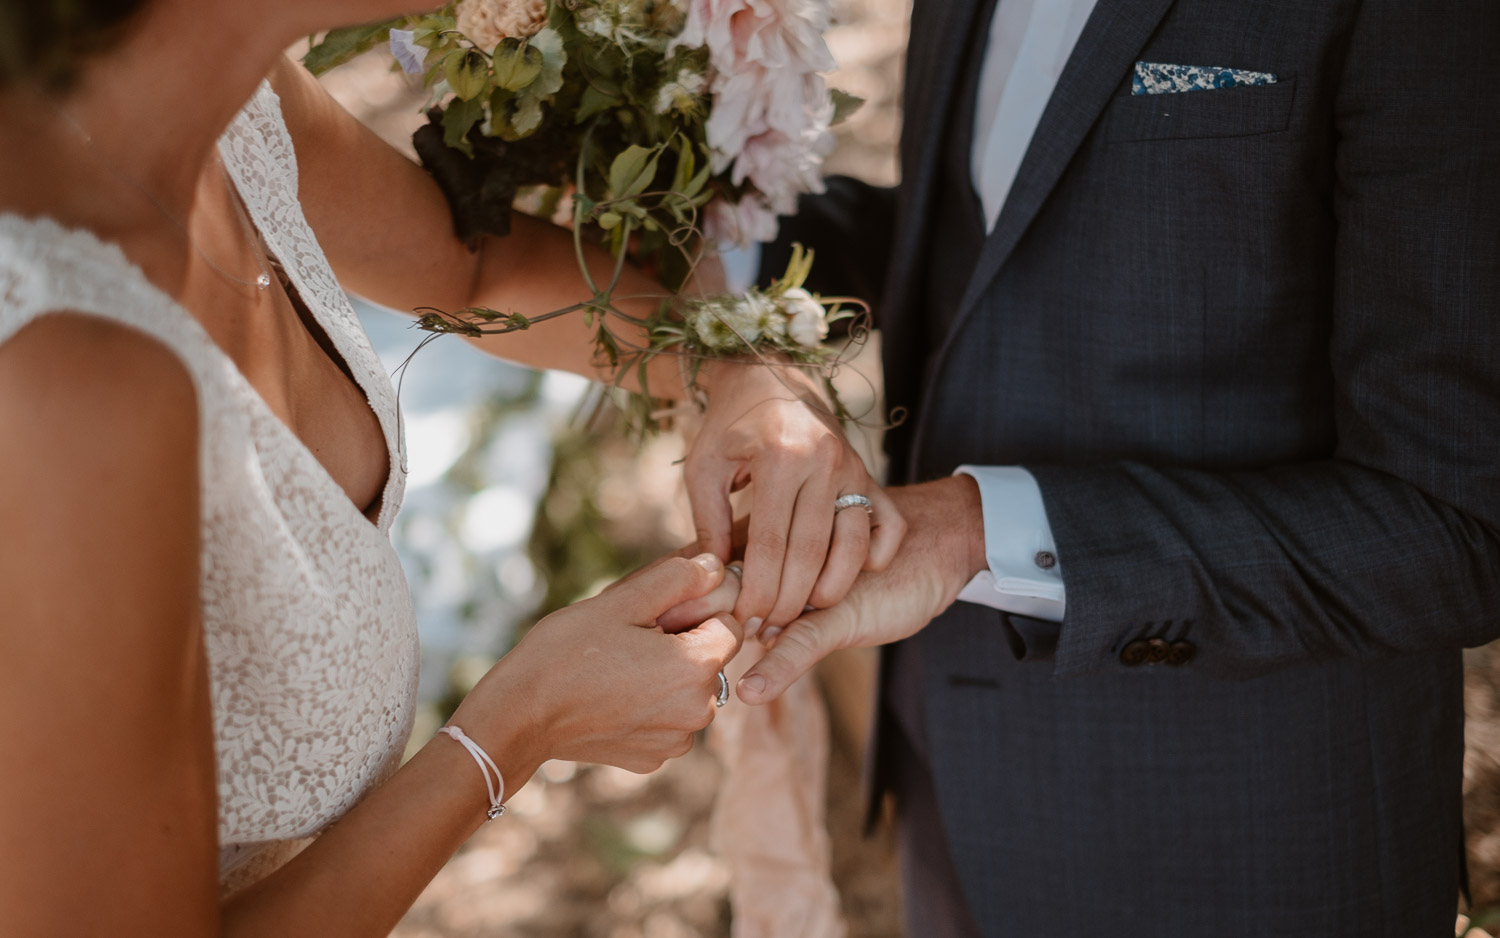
(392, 467)
(113, 252)
(297, 292)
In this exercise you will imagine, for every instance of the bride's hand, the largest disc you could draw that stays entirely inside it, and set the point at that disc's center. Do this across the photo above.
(942, 554)
(767, 424)
(599, 681)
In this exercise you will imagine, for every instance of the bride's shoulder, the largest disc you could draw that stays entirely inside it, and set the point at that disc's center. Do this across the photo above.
(89, 401)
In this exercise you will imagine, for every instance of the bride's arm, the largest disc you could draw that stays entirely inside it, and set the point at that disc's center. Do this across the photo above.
(386, 228)
(387, 231)
(108, 793)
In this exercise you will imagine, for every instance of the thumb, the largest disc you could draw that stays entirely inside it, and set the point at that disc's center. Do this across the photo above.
(800, 646)
(669, 583)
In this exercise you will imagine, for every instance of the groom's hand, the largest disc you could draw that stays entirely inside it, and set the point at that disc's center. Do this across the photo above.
(939, 556)
(768, 425)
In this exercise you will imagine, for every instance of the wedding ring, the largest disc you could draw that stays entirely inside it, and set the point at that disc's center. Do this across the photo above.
(851, 501)
(738, 570)
(723, 691)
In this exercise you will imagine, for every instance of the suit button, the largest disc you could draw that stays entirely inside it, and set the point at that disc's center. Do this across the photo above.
(1045, 559)
(1157, 651)
(1134, 653)
(1181, 652)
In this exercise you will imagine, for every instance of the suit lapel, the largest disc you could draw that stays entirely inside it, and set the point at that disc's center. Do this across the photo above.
(1104, 56)
(934, 63)
(1105, 53)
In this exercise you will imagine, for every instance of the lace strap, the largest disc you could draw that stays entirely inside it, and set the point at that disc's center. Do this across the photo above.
(261, 158)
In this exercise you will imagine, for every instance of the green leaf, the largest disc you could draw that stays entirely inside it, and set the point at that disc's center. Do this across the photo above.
(554, 57)
(594, 101)
(609, 220)
(683, 176)
(340, 45)
(467, 72)
(527, 116)
(517, 64)
(626, 170)
(458, 120)
(647, 176)
(696, 184)
(844, 105)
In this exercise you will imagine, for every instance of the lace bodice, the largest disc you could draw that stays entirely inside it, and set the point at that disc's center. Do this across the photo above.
(307, 618)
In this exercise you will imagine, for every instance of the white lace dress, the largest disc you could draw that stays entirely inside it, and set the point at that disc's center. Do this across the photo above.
(308, 622)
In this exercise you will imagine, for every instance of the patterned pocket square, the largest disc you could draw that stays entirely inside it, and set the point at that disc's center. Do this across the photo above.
(1161, 78)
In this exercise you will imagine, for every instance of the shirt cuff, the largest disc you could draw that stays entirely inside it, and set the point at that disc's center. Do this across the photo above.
(741, 265)
(1024, 575)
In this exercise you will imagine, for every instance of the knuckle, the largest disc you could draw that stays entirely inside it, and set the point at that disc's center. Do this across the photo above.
(769, 542)
(809, 552)
(804, 642)
(829, 450)
(828, 592)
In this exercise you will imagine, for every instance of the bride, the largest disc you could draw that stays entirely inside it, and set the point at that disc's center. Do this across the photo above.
(210, 644)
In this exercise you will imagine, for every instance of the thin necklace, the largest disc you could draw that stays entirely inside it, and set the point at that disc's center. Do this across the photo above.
(261, 282)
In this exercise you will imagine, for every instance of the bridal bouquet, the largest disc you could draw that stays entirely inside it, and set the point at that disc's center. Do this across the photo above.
(673, 126)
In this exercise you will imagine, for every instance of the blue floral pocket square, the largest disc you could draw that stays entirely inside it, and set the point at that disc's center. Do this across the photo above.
(1161, 78)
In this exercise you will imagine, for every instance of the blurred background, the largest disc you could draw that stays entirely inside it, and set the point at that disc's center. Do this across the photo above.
(519, 503)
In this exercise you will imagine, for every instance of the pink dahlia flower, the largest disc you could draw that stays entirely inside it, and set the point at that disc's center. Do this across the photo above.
(771, 111)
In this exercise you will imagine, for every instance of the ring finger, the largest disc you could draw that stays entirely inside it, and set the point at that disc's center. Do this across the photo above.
(846, 557)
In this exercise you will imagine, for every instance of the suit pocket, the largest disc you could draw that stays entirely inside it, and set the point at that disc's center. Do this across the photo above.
(1228, 112)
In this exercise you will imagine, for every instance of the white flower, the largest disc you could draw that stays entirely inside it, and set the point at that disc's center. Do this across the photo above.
(768, 316)
(806, 321)
(680, 93)
(486, 22)
(739, 223)
(412, 57)
(724, 323)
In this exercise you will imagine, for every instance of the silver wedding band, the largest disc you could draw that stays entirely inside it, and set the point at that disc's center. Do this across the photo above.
(723, 691)
(737, 570)
(853, 501)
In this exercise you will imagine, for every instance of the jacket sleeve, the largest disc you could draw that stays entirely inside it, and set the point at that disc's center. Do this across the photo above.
(1392, 545)
(849, 227)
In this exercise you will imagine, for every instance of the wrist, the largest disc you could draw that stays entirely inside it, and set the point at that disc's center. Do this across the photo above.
(965, 530)
(767, 376)
(501, 716)
(952, 514)
(461, 782)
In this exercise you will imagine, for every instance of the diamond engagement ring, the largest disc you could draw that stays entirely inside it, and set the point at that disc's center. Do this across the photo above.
(723, 691)
(853, 501)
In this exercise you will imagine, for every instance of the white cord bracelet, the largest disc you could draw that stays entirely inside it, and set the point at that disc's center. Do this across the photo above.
(486, 765)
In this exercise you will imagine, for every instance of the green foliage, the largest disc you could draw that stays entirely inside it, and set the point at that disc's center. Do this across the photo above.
(340, 45)
(844, 105)
(600, 101)
(517, 64)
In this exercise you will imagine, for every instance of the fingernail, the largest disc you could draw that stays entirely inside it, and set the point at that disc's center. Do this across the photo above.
(752, 625)
(708, 562)
(769, 635)
(753, 685)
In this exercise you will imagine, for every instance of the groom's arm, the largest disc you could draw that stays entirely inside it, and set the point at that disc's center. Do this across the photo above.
(1393, 545)
(1389, 547)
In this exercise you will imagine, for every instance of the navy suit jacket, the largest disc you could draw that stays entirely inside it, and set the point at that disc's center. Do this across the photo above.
(1248, 341)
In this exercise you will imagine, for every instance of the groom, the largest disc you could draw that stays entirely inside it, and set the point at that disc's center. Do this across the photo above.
(1202, 301)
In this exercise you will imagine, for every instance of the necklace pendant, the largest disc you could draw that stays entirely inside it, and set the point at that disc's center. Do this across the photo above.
(263, 281)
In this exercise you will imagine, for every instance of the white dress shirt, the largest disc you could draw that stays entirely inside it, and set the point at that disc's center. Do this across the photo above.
(1030, 43)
